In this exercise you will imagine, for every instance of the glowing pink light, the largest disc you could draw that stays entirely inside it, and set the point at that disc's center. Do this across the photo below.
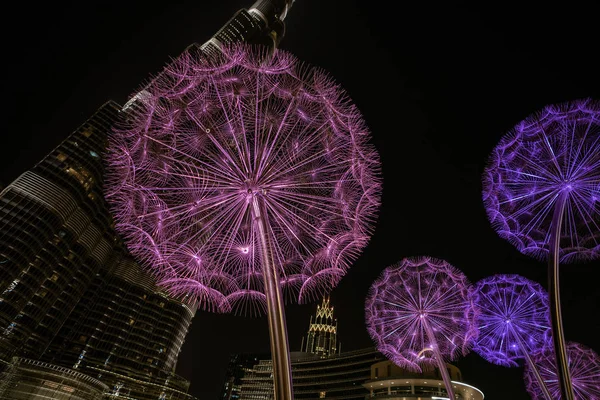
(209, 138)
(412, 294)
(584, 365)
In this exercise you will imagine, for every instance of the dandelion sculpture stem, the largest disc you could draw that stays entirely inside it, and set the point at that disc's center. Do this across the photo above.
(558, 336)
(419, 304)
(542, 193)
(440, 360)
(277, 327)
(243, 181)
(584, 364)
(532, 366)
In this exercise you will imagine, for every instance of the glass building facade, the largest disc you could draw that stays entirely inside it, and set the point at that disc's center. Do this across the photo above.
(25, 379)
(55, 234)
(339, 376)
(70, 295)
(127, 333)
(321, 372)
(360, 374)
(390, 382)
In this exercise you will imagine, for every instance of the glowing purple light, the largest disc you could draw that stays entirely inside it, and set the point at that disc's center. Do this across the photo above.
(513, 318)
(209, 138)
(411, 296)
(541, 193)
(553, 152)
(584, 365)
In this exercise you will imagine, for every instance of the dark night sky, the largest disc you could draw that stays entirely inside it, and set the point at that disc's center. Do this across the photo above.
(438, 86)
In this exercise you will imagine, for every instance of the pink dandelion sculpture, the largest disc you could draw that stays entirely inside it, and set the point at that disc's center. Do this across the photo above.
(418, 312)
(244, 180)
(542, 193)
(584, 365)
(513, 319)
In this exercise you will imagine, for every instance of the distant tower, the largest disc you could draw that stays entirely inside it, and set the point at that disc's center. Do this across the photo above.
(322, 332)
(55, 236)
(262, 24)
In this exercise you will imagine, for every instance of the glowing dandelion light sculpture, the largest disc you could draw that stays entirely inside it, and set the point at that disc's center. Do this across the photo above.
(542, 194)
(243, 181)
(419, 313)
(513, 319)
(584, 365)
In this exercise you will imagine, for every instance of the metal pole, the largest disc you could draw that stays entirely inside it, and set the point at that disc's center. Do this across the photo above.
(558, 338)
(531, 365)
(280, 353)
(440, 360)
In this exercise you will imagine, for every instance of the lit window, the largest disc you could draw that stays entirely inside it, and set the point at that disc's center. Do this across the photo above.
(321, 395)
(61, 157)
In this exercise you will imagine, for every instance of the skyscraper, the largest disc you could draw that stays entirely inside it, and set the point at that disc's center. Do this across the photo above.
(70, 294)
(321, 339)
(55, 235)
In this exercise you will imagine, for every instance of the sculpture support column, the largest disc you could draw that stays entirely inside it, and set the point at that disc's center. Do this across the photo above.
(280, 353)
(558, 338)
(440, 360)
(532, 366)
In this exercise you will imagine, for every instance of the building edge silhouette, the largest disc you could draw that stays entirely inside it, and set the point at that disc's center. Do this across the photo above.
(74, 306)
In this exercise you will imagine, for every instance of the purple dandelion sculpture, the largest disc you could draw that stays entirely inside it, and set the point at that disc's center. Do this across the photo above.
(245, 181)
(419, 312)
(542, 194)
(584, 365)
(513, 319)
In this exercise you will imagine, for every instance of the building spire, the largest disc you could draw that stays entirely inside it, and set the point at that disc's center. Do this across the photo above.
(322, 331)
(261, 24)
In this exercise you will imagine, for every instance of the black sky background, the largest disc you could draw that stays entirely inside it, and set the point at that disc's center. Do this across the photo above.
(438, 85)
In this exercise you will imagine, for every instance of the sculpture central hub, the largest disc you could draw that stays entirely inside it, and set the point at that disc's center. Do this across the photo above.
(250, 189)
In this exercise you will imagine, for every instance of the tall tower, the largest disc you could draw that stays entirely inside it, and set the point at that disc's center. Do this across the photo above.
(322, 332)
(55, 235)
(262, 24)
(70, 294)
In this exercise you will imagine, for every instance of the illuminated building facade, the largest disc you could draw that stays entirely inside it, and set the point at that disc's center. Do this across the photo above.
(350, 375)
(339, 376)
(321, 339)
(390, 382)
(239, 366)
(321, 372)
(34, 380)
(70, 295)
(127, 333)
(71, 298)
